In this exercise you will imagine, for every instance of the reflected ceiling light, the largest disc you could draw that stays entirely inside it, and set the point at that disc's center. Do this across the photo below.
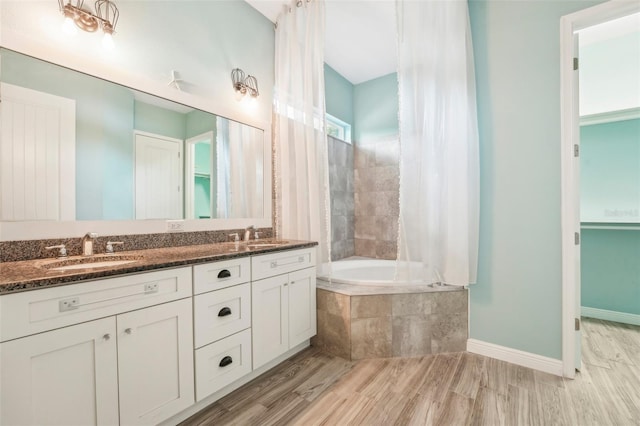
(105, 17)
(245, 86)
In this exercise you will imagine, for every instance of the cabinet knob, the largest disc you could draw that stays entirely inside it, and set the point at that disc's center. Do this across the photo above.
(225, 361)
(127, 330)
(224, 273)
(224, 312)
(106, 336)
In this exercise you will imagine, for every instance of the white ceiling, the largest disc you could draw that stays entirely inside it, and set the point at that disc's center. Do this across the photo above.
(360, 35)
(360, 41)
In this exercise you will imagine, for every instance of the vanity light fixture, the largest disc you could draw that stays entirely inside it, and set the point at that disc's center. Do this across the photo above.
(245, 86)
(76, 16)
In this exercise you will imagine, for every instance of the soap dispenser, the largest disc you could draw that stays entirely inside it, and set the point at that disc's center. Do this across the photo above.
(87, 243)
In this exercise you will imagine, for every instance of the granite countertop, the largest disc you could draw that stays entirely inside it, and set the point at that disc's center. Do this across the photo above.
(34, 274)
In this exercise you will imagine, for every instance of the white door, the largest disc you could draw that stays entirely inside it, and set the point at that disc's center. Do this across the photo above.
(269, 319)
(158, 172)
(155, 362)
(37, 155)
(302, 305)
(62, 377)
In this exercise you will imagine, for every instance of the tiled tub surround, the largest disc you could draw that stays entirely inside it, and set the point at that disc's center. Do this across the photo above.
(12, 251)
(377, 178)
(356, 326)
(32, 274)
(342, 201)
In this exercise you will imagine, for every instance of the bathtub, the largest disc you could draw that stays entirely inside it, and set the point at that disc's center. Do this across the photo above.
(361, 275)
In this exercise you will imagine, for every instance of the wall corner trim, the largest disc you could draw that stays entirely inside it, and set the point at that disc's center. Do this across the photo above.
(515, 356)
(603, 314)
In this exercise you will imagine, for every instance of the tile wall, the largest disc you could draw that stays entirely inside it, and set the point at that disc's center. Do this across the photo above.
(377, 183)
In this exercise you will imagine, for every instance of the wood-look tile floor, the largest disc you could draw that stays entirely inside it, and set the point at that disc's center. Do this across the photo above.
(314, 388)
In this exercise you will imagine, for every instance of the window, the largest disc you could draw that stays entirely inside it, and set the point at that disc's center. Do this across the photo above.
(338, 129)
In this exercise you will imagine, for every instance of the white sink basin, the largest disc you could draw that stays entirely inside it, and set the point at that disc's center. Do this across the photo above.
(90, 263)
(266, 244)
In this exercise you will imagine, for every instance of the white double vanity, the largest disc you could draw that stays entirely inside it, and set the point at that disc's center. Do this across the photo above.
(154, 346)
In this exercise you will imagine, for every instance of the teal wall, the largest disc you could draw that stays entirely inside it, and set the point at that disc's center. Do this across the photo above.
(338, 96)
(199, 122)
(517, 301)
(610, 192)
(610, 270)
(375, 107)
(610, 172)
(159, 121)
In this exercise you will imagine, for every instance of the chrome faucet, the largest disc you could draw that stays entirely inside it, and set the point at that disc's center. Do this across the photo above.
(87, 243)
(61, 247)
(247, 232)
(110, 244)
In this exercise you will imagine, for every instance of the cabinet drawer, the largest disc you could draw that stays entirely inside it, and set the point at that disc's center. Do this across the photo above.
(269, 265)
(217, 275)
(220, 313)
(222, 363)
(35, 311)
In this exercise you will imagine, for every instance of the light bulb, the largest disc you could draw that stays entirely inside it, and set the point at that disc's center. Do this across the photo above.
(251, 102)
(107, 41)
(240, 95)
(69, 27)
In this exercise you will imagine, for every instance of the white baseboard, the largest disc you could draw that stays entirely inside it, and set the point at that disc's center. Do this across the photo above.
(603, 314)
(514, 356)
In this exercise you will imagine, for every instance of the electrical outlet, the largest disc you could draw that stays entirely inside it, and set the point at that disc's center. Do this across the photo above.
(175, 226)
(151, 288)
(69, 304)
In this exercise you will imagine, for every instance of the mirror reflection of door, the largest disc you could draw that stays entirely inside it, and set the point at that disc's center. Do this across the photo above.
(158, 175)
(199, 177)
(37, 153)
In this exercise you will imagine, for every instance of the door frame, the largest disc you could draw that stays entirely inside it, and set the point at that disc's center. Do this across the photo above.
(570, 189)
(189, 172)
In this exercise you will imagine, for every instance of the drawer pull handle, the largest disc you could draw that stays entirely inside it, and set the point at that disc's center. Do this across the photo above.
(106, 336)
(224, 312)
(225, 361)
(224, 273)
(127, 330)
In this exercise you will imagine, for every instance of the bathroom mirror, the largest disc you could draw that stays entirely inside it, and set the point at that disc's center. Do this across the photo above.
(125, 155)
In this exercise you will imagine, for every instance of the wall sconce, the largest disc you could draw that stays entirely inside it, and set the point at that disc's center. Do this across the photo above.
(105, 17)
(244, 85)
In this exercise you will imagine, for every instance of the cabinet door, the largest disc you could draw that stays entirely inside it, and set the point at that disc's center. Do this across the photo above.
(270, 319)
(155, 362)
(302, 305)
(62, 377)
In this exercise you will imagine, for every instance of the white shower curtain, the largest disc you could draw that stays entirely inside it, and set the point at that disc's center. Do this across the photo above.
(302, 179)
(240, 170)
(439, 165)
